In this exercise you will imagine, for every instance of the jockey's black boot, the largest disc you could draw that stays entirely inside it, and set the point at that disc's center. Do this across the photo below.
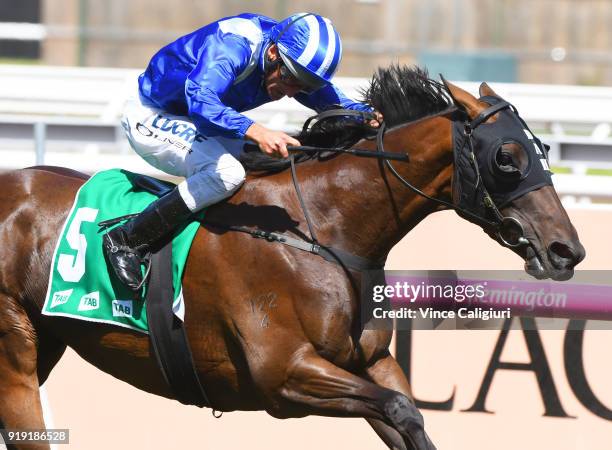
(126, 245)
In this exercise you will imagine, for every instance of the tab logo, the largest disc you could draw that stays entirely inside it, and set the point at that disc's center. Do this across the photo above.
(122, 308)
(60, 297)
(90, 301)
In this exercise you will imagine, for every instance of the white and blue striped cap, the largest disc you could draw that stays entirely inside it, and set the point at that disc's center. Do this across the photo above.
(310, 47)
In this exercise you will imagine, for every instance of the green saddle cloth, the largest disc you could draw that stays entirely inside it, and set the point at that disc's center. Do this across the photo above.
(82, 284)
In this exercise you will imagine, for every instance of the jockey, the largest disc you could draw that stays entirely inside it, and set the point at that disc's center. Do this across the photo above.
(186, 117)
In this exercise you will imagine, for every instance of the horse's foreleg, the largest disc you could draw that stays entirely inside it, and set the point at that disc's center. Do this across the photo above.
(386, 372)
(389, 435)
(313, 385)
(20, 406)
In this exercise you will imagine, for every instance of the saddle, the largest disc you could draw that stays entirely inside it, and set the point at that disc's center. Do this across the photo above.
(152, 185)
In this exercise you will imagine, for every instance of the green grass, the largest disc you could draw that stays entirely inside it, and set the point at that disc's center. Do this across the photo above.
(561, 169)
(592, 171)
(604, 172)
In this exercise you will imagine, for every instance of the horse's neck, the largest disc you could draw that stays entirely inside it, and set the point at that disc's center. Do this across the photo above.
(356, 210)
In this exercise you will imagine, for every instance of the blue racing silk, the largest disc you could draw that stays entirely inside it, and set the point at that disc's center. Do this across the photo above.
(217, 72)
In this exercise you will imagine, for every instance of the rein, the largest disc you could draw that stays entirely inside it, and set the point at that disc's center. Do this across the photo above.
(499, 226)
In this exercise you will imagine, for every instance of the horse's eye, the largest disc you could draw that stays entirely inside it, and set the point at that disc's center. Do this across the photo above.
(506, 163)
(504, 158)
(510, 160)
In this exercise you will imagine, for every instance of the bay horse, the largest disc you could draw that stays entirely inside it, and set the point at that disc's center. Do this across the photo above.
(272, 327)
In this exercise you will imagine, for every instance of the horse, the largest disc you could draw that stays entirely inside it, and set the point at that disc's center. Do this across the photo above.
(272, 327)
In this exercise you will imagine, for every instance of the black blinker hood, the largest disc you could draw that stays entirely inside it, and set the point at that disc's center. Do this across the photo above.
(470, 186)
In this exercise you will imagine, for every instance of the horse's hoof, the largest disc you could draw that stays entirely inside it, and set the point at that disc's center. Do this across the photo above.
(407, 419)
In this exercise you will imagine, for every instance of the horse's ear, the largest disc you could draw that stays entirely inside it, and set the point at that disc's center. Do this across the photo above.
(462, 99)
(486, 91)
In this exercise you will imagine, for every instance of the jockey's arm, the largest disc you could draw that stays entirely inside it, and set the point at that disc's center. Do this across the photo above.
(329, 95)
(215, 72)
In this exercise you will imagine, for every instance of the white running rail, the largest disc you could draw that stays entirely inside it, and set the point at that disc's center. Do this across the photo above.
(71, 116)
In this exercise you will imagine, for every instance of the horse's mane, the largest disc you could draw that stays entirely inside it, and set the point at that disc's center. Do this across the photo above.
(401, 93)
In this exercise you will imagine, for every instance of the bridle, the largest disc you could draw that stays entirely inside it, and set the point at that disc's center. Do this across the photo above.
(508, 230)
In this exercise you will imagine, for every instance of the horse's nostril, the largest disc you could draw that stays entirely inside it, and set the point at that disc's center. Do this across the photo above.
(561, 249)
(563, 255)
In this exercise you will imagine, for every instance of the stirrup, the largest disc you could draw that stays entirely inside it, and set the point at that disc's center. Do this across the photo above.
(146, 260)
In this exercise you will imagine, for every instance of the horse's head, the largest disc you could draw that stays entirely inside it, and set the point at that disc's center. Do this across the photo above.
(508, 188)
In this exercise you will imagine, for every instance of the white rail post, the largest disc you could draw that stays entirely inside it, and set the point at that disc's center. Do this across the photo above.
(40, 136)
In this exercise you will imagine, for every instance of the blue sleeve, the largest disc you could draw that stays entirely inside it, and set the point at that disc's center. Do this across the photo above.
(217, 68)
(329, 96)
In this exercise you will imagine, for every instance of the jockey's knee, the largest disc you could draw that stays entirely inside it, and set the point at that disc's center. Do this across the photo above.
(212, 184)
(232, 176)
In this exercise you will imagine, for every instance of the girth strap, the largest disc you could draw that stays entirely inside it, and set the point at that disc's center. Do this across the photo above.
(167, 334)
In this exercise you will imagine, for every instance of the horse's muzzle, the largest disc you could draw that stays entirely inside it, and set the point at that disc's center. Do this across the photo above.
(557, 262)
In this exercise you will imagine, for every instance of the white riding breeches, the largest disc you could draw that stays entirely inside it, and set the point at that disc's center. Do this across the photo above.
(173, 145)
